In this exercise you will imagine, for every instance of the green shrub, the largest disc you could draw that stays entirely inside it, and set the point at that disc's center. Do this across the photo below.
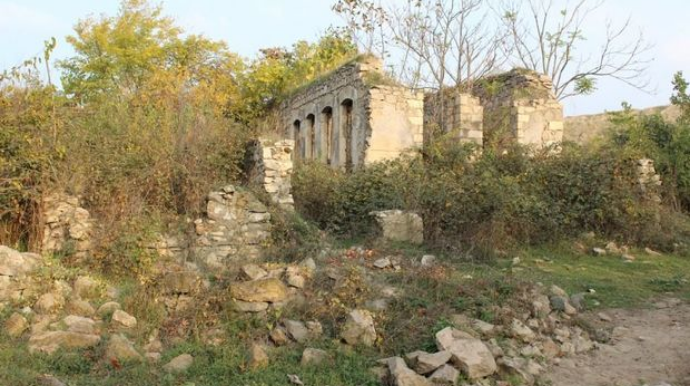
(483, 204)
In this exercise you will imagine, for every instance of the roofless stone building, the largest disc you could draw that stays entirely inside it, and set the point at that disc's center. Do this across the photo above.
(356, 115)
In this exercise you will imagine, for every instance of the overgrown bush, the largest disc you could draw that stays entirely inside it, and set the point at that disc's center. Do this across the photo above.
(480, 204)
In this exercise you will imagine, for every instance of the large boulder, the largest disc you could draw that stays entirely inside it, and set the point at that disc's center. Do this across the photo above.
(265, 290)
(359, 328)
(398, 225)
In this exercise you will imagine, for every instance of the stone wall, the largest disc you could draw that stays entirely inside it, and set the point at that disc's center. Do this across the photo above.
(519, 106)
(269, 166)
(68, 226)
(459, 115)
(648, 181)
(353, 117)
(587, 128)
(235, 229)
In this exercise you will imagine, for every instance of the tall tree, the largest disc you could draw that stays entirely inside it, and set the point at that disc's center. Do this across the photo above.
(546, 36)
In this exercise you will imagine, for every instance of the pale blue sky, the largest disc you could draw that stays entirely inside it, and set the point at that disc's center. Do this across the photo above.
(249, 25)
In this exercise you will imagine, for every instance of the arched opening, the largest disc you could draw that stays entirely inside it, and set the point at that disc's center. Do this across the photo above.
(346, 119)
(327, 133)
(297, 135)
(311, 137)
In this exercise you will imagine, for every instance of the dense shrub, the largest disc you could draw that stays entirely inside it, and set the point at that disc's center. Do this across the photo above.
(481, 204)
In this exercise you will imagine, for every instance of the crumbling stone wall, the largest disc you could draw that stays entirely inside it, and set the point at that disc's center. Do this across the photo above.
(68, 226)
(459, 114)
(648, 181)
(270, 165)
(519, 106)
(235, 229)
(353, 116)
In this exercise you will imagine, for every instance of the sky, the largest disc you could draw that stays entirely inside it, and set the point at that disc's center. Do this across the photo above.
(248, 25)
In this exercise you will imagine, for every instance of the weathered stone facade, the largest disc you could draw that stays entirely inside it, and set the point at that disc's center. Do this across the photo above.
(352, 118)
(270, 166)
(68, 226)
(520, 107)
(457, 114)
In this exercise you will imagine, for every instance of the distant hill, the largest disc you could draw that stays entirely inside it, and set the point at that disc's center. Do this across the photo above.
(585, 128)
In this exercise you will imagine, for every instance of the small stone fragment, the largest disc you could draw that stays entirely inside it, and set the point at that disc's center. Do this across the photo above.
(108, 309)
(426, 363)
(179, 364)
(314, 356)
(445, 375)
(120, 348)
(359, 328)
(253, 272)
(296, 330)
(123, 319)
(15, 325)
(257, 357)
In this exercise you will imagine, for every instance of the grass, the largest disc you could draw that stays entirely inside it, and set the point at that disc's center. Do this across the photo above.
(429, 299)
(617, 283)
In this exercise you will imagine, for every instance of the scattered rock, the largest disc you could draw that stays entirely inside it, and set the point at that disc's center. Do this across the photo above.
(86, 288)
(294, 379)
(401, 375)
(315, 328)
(309, 264)
(296, 330)
(445, 375)
(559, 303)
(294, 278)
(278, 336)
(120, 348)
(577, 301)
(652, 252)
(484, 328)
(473, 358)
(382, 263)
(426, 363)
(15, 325)
(253, 272)
(428, 260)
(179, 364)
(48, 380)
(108, 309)
(599, 251)
(49, 303)
(80, 307)
(522, 332)
(359, 328)
(50, 341)
(558, 291)
(123, 319)
(400, 225)
(257, 357)
(314, 356)
(241, 306)
(79, 324)
(448, 336)
(265, 290)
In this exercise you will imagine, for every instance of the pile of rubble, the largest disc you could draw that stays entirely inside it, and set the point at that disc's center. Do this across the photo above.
(478, 350)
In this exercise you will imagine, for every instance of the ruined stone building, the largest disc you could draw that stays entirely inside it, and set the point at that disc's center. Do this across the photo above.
(353, 116)
(357, 115)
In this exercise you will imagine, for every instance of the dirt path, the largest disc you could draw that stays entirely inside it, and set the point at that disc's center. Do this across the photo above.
(649, 346)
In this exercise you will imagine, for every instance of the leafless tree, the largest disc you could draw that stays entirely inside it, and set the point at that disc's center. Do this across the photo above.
(436, 43)
(545, 36)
